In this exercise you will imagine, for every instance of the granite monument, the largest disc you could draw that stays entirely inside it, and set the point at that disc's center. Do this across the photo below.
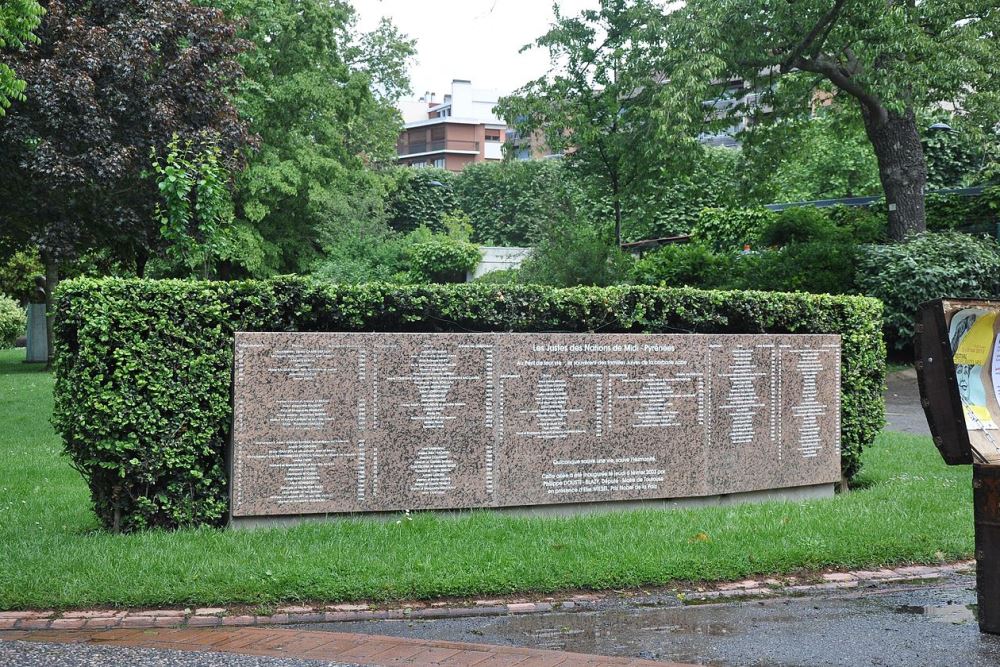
(328, 423)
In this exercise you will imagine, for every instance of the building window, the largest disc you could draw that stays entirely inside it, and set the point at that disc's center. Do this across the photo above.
(437, 133)
(419, 163)
(493, 135)
(439, 163)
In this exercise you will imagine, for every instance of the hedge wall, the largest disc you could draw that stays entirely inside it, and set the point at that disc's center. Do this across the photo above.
(143, 369)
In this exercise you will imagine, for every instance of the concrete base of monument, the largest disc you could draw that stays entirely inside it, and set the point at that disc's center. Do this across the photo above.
(791, 494)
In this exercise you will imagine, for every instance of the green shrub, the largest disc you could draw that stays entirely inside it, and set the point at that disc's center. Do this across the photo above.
(17, 274)
(952, 212)
(865, 224)
(512, 203)
(144, 368)
(927, 266)
(573, 254)
(12, 321)
(377, 257)
(420, 197)
(670, 204)
(499, 277)
(728, 229)
(443, 260)
(684, 264)
(798, 225)
(819, 267)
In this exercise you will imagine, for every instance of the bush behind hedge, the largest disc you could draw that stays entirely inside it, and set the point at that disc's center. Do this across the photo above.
(729, 229)
(143, 368)
(928, 266)
(13, 321)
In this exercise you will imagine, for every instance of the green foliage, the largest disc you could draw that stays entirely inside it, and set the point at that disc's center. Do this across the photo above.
(684, 264)
(443, 260)
(513, 203)
(959, 157)
(819, 267)
(18, 20)
(499, 277)
(864, 224)
(886, 61)
(799, 225)
(108, 83)
(804, 158)
(12, 321)
(420, 197)
(143, 368)
(574, 254)
(801, 249)
(806, 251)
(196, 211)
(956, 212)
(374, 253)
(670, 202)
(728, 229)
(17, 274)
(375, 256)
(595, 106)
(928, 266)
(320, 95)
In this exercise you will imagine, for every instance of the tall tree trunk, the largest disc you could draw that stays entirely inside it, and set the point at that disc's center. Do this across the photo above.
(618, 221)
(51, 282)
(141, 259)
(902, 168)
(616, 199)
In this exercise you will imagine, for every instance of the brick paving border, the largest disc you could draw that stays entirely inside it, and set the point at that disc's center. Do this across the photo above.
(331, 646)
(209, 617)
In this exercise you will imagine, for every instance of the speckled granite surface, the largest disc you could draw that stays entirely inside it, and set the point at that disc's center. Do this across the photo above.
(340, 422)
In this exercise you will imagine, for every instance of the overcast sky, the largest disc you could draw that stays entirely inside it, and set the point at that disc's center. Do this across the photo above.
(470, 39)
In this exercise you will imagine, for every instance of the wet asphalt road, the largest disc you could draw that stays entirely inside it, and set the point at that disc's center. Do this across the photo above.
(33, 654)
(905, 626)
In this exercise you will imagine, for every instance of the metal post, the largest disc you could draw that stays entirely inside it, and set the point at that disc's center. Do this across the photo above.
(986, 503)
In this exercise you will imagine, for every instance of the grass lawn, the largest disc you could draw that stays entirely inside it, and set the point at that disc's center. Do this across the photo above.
(911, 508)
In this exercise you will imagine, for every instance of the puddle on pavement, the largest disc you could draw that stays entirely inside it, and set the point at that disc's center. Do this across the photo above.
(888, 625)
(942, 613)
(592, 632)
(638, 630)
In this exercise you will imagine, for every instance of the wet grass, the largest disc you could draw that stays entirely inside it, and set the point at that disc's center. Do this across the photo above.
(911, 509)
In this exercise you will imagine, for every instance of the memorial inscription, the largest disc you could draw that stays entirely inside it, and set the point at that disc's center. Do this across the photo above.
(339, 422)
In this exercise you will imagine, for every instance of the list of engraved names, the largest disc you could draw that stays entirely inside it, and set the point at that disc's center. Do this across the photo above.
(337, 422)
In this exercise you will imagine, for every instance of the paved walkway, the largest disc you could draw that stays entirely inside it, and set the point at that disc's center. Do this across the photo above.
(903, 412)
(209, 617)
(334, 647)
(169, 636)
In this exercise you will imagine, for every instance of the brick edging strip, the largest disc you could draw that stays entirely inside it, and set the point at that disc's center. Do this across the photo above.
(205, 617)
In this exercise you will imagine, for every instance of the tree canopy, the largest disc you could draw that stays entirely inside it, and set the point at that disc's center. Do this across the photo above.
(321, 97)
(110, 83)
(596, 105)
(888, 58)
(18, 20)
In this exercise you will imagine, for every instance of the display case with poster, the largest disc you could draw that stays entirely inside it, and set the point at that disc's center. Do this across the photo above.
(958, 370)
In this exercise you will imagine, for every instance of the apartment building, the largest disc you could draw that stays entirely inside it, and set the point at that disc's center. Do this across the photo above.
(454, 133)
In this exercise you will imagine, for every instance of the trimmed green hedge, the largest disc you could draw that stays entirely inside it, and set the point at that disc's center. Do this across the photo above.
(143, 368)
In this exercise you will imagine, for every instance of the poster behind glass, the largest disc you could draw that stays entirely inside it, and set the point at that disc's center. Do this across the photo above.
(975, 348)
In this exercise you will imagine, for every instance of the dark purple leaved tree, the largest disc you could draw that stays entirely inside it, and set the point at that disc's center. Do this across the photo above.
(110, 81)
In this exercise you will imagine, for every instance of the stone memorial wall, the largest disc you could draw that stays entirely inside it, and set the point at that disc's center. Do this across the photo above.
(345, 422)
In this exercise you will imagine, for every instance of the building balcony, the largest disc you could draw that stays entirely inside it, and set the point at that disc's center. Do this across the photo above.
(441, 146)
